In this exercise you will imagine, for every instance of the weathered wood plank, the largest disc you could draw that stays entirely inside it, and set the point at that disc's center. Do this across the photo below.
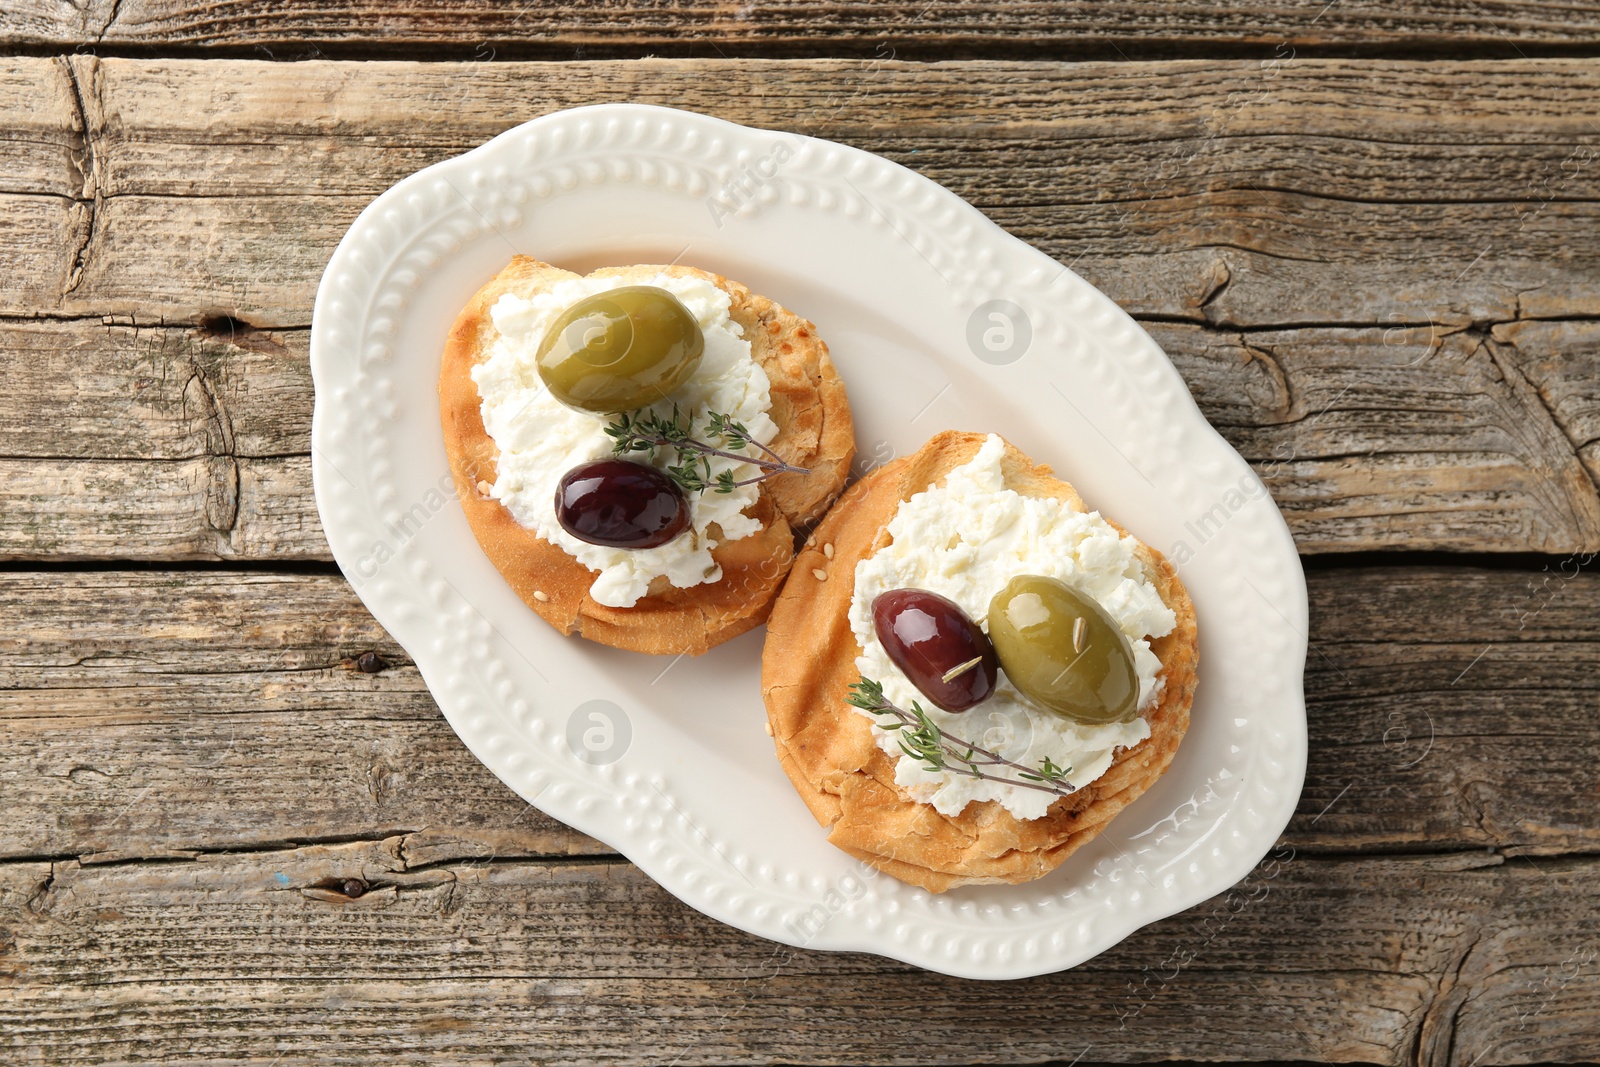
(86, 389)
(160, 443)
(1411, 437)
(32, 96)
(126, 442)
(1425, 960)
(1556, 359)
(1316, 191)
(1449, 708)
(787, 27)
(209, 507)
(242, 711)
(1445, 413)
(1453, 706)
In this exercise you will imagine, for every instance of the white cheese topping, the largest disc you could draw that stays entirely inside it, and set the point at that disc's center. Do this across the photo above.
(966, 540)
(540, 439)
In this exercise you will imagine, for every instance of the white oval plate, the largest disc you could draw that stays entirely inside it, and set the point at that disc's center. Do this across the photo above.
(937, 320)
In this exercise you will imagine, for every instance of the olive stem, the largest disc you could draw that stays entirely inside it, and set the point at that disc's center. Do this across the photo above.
(924, 739)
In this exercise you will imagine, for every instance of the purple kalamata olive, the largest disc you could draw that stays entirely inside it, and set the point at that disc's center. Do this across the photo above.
(939, 648)
(618, 504)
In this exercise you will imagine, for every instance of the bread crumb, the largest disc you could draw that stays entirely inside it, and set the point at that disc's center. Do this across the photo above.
(484, 487)
(827, 550)
(541, 596)
(768, 725)
(819, 574)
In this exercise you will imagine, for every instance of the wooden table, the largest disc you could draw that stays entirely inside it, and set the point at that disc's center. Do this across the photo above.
(235, 827)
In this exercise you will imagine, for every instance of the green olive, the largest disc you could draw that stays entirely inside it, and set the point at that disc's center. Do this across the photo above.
(620, 350)
(1063, 650)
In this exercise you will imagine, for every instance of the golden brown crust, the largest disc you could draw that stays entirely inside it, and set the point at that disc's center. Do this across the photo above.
(827, 748)
(814, 430)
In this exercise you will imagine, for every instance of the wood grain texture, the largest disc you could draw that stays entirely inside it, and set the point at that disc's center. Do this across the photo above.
(154, 713)
(236, 828)
(351, 950)
(788, 27)
(216, 674)
(1388, 310)
(1326, 192)
(183, 442)
(155, 443)
(128, 732)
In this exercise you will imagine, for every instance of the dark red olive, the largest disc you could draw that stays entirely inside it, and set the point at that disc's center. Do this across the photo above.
(929, 637)
(618, 504)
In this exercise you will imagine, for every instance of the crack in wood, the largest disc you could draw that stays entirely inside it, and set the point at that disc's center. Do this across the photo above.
(38, 900)
(222, 491)
(403, 845)
(105, 28)
(84, 160)
(1568, 475)
(1436, 1031)
(1217, 280)
(1512, 370)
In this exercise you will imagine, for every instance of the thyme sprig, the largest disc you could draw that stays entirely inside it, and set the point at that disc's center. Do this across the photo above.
(939, 750)
(642, 431)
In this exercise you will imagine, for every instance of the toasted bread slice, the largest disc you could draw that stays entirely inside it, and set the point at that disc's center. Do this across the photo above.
(827, 748)
(814, 431)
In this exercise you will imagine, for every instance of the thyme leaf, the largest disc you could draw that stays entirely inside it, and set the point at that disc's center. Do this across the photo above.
(939, 750)
(643, 431)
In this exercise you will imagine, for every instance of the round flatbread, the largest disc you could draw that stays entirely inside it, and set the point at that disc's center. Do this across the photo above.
(827, 747)
(809, 407)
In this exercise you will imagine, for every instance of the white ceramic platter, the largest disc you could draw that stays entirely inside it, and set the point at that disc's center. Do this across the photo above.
(937, 320)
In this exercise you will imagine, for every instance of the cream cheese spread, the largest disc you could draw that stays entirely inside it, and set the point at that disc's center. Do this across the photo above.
(540, 439)
(966, 540)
